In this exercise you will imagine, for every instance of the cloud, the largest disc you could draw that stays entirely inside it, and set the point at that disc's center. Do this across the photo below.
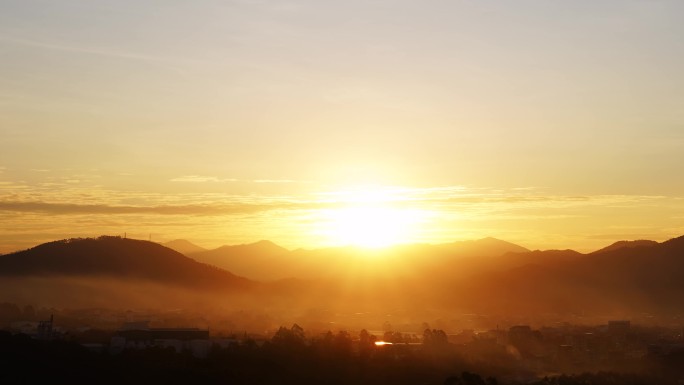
(274, 181)
(202, 179)
(10, 185)
(215, 179)
(458, 196)
(196, 209)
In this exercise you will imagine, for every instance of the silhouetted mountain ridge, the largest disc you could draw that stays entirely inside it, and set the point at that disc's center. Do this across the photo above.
(642, 276)
(623, 244)
(472, 276)
(267, 261)
(484, 247)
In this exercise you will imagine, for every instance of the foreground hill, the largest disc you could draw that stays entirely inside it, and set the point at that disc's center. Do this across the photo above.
(116, 257)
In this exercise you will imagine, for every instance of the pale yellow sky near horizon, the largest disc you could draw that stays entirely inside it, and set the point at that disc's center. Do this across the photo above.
(547, 124)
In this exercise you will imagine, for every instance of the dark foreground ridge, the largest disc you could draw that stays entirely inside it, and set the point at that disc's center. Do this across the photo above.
(117, 257)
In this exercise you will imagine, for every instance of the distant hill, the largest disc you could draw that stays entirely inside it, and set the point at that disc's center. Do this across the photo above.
(119, 258)
(482, 247)
(267, 261)
(537, 257)
(263, 260)
(623, 244)
(183, 246)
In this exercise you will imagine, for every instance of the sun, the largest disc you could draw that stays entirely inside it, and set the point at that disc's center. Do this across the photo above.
(370, 219)
(372, 227)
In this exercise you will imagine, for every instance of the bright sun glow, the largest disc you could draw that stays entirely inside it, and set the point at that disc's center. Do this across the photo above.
(370, 219)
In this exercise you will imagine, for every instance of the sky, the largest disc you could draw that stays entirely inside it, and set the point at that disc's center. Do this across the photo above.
(552, 124)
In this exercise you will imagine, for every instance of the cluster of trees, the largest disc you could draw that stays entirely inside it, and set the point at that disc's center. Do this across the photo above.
(435, 338)
(288, 358)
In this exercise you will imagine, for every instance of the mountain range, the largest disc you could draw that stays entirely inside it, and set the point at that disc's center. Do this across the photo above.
(266, 261)
(486, 275)
(643, 276)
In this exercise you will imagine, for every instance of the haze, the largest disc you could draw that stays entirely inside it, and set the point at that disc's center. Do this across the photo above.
(548, 124)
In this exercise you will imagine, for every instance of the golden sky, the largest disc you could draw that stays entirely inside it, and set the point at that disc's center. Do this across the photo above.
(549, 124)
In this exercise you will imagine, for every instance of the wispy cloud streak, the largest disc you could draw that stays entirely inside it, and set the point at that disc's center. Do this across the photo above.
(76, 209)
(201, 179)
